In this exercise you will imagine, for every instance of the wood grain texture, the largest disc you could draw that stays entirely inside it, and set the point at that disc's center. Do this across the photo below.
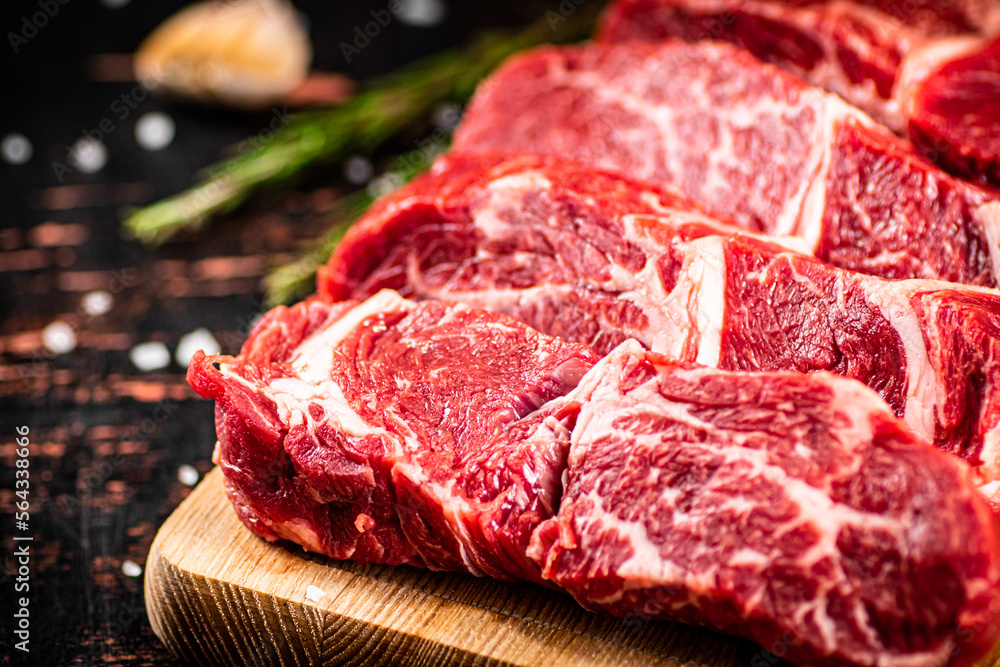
(217, 594)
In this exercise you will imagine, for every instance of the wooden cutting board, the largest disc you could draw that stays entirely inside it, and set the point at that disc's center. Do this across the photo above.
(217, 594)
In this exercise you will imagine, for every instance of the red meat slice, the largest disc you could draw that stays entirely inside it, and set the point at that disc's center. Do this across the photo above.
(791, 509)
(747, 141)
(925, 69)
(395, 432)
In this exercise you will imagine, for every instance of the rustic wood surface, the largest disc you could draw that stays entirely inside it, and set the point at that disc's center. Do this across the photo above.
(217, 594)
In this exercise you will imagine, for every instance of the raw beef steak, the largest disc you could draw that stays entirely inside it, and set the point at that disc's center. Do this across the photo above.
(769, 505)
(395, 432)
(541, 238)
(792, 509)
(536, 239)
(926, 70)
(748, 141)
(956, 114)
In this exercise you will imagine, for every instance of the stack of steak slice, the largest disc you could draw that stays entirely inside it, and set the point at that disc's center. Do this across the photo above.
(926, 69)
(570, 354)
(750, 142)
(555, 245)
(768, 505)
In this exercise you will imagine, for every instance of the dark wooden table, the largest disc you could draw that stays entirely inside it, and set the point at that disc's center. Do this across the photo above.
(112, 446)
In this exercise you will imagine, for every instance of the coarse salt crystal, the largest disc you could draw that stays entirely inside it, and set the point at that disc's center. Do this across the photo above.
(59, 338)
(187, 475)
(154, 130)
(88, 155)
(97, 302)
(150, 356)
(16, 148)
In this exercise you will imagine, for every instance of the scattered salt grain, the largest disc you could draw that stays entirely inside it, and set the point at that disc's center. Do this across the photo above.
(187, 475)
(59, 338)
(16, 149)
(358, 170)
(421, 13)
(446, 116)
(131, 569)
(150, 356)
(154, 130)
(97, 302)
(199, 339)
(88, 155)
(314, 593)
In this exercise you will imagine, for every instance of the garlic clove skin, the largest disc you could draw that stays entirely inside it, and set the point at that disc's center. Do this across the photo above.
(243, 53)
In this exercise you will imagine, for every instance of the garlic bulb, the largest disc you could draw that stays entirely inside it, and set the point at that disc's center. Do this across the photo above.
(243, 53)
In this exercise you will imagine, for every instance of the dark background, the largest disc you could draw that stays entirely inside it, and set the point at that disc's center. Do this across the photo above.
(106, 438)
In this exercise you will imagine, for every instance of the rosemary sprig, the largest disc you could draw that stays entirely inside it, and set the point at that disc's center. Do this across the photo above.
(361, 124)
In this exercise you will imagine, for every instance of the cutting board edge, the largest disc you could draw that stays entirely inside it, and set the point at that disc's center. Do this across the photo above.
(217, 649)
(180, 597)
